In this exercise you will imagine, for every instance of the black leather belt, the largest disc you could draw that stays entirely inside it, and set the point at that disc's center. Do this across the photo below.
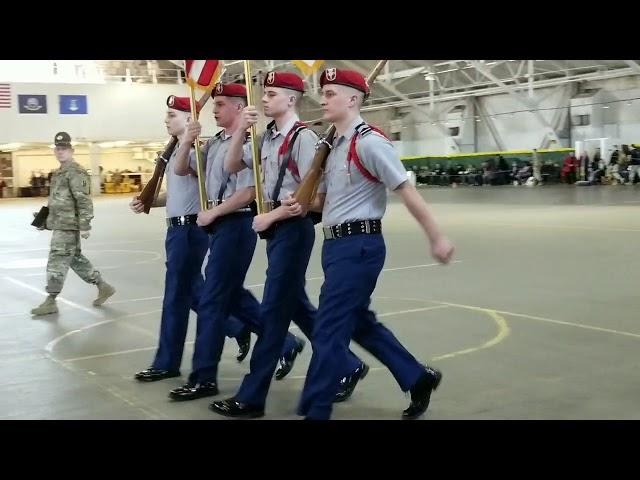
(182, 220)
(359, 227)
(214, 203)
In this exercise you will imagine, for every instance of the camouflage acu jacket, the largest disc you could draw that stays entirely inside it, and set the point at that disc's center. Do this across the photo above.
(70, 205)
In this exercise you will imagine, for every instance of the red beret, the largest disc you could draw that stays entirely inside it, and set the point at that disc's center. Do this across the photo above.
(348, 78)
(230, 90)
(181, 103)
(284, 80)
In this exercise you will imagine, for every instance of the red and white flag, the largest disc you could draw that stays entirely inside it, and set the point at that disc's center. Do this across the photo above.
(5, 95)
(203, 74)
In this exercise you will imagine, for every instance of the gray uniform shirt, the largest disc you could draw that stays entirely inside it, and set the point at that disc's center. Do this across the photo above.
(350, 195)
(215, 152)
(304, 149)
(182, 192)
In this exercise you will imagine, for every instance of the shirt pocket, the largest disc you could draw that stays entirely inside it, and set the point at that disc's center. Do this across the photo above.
(337, 177)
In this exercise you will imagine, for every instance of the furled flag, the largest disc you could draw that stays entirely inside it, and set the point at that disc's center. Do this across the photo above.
(203, 74)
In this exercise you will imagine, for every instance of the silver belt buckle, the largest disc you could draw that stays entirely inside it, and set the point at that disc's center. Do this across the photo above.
(367, 226)
(182, 219)
(328, 233)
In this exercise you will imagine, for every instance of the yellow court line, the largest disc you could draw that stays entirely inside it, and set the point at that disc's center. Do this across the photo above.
(523, 315)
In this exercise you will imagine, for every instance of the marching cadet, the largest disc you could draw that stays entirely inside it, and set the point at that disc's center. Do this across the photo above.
(186, 246)
(287, 151)
(70, 214)
(231, 242)
(361, 165)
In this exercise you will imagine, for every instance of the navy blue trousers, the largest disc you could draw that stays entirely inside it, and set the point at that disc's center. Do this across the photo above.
(186, 246)
(284, 299)
(351, 268)
(231, 247)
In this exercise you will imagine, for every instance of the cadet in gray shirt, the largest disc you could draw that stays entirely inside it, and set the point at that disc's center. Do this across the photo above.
(231, 242)
(287, 151)
(360, 167)
(186, 246)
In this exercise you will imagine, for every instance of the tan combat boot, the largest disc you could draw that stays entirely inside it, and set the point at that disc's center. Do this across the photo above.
(46, 308)
(104, 291)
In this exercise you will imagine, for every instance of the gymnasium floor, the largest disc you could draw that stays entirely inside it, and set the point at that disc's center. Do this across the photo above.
(537, 318)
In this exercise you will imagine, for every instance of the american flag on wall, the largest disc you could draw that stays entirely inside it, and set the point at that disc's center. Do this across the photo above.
(5, 95)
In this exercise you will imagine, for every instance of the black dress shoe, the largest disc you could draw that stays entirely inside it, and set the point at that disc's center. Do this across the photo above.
(421, 393)
(191, 391)
(285, 364)
(244, 344)
(154, 374)
(348, 384)
(231, 408)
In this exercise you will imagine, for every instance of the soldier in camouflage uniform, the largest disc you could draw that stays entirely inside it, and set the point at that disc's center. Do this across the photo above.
(70, 214)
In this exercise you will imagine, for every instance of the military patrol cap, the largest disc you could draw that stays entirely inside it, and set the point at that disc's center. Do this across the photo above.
(348, 78)
(62, 139)
(181, 103)
(230, 90)
(284, 80)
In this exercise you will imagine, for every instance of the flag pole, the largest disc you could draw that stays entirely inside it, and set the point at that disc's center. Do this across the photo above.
(257, 174)
(200, 170)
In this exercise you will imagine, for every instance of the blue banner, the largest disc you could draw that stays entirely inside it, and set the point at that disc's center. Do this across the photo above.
(32, 103)
(73, 104)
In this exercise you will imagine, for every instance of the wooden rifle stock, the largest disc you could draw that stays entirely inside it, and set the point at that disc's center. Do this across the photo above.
(306, 191)
(151, 189)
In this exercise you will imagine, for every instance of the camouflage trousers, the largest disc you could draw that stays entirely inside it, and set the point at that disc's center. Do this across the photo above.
(64, 253)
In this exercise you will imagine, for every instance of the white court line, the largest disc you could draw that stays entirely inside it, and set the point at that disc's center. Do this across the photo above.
(116, 392)
(562, 227)
(400, 312)
(55, 341)
(419, 266)
(571, 324)
(413, 310)
(49, 346)
(25, 250)
(155, 256)
(135, 300)
(308, 279)
(144, 349)
(62, 300)
(387, 270)
(111, 354)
